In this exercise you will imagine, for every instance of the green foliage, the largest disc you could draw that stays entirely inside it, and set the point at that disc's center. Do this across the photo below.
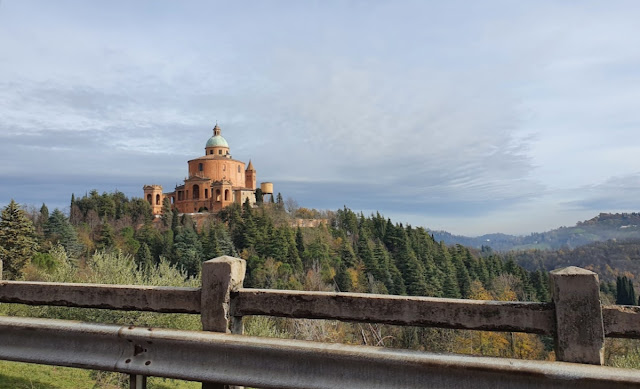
(625, 292)
(17, 239)
(58, 229)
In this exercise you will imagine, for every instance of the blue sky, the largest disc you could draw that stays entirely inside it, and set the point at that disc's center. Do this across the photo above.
(473, 117)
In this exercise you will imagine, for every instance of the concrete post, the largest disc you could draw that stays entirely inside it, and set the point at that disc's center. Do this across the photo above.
(220, 276)
(579, 325)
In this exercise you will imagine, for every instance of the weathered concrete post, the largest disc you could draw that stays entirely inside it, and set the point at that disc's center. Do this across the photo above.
(579, 326)
(220, 276)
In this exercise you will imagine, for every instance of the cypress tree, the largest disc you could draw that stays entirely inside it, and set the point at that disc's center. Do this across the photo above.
(259, 195)
(167, 213)
(632, 293)
(43, 218)
(175, 223)
(299, 241)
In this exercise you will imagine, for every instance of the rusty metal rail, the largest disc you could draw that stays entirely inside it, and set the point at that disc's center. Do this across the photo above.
(279, 363)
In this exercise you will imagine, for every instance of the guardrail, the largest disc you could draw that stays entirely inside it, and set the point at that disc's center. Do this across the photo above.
(576, 319)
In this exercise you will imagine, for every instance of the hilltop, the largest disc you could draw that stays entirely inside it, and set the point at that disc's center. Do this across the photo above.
(605, 226)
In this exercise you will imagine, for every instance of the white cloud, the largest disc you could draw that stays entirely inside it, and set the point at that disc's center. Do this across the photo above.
(467, 114)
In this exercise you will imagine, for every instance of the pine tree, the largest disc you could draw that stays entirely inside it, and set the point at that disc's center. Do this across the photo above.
(143, 257)
(107, 237)
(188, 251)
(17, 239)
(59, 230)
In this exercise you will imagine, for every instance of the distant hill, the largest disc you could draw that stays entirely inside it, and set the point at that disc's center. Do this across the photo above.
(609, 259)
(605, 226)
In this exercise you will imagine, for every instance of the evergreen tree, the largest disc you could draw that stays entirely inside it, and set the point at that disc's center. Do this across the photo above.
(188, 251)
(17, 239)
(299, 241)
(625, 292)
(59, 230)
(106, 239)
(279, 201)
(462, 275)
(143, 257)
(540, 283)
(259, 195)
(43, 218)
(167, 213)
(175, 222)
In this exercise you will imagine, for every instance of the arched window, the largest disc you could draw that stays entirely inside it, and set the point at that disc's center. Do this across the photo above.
(196, 192)
(199, 167)
(173, 199)
(157, 199)
(149, 199)
(239, 170)
(217, 194)
(206, 193)
(226, 195)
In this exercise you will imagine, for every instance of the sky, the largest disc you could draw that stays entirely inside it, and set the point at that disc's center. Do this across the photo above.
(470, 117)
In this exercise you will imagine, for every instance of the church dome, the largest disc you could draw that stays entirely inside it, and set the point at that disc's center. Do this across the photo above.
(217, 140)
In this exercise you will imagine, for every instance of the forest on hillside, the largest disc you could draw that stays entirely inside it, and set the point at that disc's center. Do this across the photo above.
(605, 226)
(109, 238)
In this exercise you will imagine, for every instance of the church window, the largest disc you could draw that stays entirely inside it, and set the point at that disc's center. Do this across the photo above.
(149, 199)
(206, 193)
(157, 199)
(220, 152)
(196, 192)
(239, 169)
(217, 194)
(226, 195)
(210, 151)
(199, 167)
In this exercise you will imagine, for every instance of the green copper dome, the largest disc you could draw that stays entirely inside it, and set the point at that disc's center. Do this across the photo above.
(217, 141)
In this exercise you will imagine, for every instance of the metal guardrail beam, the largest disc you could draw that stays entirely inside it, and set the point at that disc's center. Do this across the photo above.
(537, 318)
(106, 296)
(279, 363)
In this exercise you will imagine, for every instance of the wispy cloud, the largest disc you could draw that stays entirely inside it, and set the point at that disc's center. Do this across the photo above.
(451, 111)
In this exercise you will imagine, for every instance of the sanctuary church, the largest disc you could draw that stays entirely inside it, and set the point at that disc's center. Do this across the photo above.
(215, 181)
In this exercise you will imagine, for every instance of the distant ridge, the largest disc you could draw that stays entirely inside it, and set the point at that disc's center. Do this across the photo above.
(605, 226)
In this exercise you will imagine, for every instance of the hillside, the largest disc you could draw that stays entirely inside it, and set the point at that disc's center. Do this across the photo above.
(605, 226)
(609, 259)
